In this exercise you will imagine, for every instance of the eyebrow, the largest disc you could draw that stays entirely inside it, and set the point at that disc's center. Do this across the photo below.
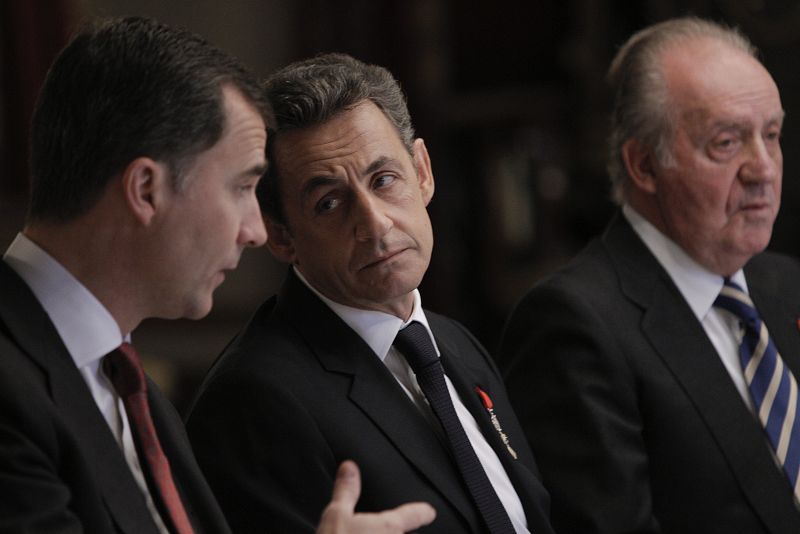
(315, 183)
(744, 124)
(378, 163)
(778, 117)
(256, 170)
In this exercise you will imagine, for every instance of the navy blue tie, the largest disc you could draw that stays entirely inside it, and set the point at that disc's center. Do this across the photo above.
(415, 344)
(772, 386)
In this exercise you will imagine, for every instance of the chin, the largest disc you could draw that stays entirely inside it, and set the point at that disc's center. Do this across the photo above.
(198, 310)
(394, 292)
(758, 242)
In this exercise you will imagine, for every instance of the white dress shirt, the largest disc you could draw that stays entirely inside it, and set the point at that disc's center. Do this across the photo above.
(89, 332)
(378, 330)
(699, 288)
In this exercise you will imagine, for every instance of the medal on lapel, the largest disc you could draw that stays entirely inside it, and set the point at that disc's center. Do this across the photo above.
(489, 405)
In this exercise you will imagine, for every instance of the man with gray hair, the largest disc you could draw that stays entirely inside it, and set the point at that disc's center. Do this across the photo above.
(655, 375)
(344, 362)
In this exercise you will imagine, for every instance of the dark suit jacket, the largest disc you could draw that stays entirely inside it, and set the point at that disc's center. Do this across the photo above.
(61, 469)
(635, 423)
(299, 391)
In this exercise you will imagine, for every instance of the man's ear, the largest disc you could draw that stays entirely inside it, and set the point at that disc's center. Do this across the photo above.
(145, 184)
(641, 165)
(422, 164)
(280, 242)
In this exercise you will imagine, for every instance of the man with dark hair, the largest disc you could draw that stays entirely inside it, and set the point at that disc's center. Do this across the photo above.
(344, 362)
(147, 147)
(655, 375)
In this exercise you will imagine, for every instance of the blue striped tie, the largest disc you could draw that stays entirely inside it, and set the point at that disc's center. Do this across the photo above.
(771, 384)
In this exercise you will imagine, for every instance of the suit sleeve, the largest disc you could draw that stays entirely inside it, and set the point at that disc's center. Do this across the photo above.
(262, 484)
(35, 498)
(576, 398)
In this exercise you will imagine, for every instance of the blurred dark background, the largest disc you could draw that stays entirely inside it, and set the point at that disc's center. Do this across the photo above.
(509, 95)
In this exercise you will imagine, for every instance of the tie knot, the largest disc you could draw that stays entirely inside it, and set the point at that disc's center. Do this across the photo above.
(733, 299)
(415, 344)
(124, 368)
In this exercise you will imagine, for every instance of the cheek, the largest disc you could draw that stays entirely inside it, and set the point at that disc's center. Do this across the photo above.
(776, 187)
(709, 196)
(322, 253)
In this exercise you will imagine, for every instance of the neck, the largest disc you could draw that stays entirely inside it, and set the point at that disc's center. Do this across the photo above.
(91, 252)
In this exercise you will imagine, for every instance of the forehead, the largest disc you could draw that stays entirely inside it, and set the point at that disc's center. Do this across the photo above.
(350, 142)
(708, 80)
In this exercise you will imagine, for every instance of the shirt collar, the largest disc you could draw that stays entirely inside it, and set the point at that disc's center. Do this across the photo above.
(85, 326)
(699, 286)
(376, 328)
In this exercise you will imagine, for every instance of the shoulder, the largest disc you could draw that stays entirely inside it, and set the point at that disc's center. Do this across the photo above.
(28, 413)
(270, 361)
(580, 312)
(267, 335)
(772, 266)
(587, 284)
(20, 376)
(773, 281)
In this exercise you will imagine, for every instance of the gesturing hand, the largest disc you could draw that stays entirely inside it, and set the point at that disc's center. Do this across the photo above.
(339, 516)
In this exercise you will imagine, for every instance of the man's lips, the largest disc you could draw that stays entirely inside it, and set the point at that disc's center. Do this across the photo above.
(223, 273)
(383, 258)
(755, 205)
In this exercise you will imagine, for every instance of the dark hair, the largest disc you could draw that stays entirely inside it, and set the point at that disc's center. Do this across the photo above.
(641, 101)
(310, 92)
(122, 89)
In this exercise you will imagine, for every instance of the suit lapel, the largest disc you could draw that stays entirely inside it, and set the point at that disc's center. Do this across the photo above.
(196, 495)
(465, 378)
(779, 307)
(36, 336)
(680, 341)
(374, 389)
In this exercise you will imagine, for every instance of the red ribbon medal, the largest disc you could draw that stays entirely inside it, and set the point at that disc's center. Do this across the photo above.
(489, 405)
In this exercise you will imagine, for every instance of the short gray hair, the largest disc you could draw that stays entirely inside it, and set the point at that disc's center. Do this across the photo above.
(641, 101)
(311, 92)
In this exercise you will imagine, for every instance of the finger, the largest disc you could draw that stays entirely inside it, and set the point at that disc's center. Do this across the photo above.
(346, 490)
(406, 517)
(347, 486)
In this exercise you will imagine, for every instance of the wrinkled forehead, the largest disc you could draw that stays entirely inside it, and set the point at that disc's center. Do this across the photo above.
(350, 141)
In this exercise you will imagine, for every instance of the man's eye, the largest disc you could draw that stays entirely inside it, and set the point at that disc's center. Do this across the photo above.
(725, 142)
(383, 180)
(327, 204)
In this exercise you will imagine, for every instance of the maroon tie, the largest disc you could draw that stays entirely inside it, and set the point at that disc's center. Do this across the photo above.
(124, 369)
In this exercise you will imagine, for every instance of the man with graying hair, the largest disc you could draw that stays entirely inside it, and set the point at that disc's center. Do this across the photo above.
(147, 146)
(345, 362)
(656, 374)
